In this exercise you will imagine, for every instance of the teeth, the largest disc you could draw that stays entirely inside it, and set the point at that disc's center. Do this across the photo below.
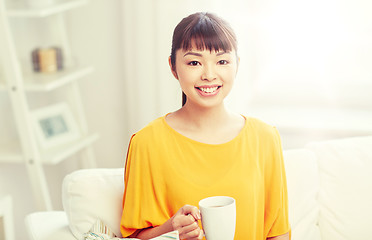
(209, 90)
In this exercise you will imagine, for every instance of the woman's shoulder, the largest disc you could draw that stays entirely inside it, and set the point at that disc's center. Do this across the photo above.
(265, 136)
(262, 130)
(153, 129)
(260, 125)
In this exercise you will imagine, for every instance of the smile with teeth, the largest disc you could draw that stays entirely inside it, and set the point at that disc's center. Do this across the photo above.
(208, 89)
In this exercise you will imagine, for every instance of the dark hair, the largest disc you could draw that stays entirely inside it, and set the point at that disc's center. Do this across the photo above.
(206, 31)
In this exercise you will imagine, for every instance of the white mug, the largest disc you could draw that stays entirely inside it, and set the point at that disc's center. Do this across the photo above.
(218, 217)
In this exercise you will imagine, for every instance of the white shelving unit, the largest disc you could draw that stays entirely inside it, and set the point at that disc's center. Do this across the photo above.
(18, 83)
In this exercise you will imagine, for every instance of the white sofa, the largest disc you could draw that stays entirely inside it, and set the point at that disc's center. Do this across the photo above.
(329, 190)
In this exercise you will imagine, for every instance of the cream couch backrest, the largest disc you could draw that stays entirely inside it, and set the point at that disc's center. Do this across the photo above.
(92, 194)
(345, 197)
(303, 187)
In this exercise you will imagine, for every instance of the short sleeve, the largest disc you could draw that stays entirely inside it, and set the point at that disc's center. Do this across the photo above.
(276, 200)
(140, 201)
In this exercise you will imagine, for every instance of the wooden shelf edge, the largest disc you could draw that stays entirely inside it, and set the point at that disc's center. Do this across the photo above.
(12, 153)
(57, 155)
(39, 82)
(47, 82)
(59, 6)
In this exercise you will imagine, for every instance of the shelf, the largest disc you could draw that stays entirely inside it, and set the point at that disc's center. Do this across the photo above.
(39, 82)
(58, 154)
(44, 82)
(58, 7)
(11, 153)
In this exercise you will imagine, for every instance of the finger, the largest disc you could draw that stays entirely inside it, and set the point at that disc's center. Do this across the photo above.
(194, 211)
(191, 235)
(201, 235)
(189, 228)
(180, 221)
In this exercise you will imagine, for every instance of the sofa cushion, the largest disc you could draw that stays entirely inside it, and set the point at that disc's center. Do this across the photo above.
(91, 194)
(345, 195)
(48, 225)
(303, 186)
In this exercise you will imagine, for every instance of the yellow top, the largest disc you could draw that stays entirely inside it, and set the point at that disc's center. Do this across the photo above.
(166, 170)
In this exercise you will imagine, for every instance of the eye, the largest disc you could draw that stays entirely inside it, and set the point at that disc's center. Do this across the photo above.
(193, 63)
(223, 62)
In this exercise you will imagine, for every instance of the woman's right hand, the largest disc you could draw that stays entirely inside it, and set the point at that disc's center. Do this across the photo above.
(185, 221)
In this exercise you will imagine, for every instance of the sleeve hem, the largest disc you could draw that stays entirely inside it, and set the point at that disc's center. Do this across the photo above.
(127, 232)
(275, 234)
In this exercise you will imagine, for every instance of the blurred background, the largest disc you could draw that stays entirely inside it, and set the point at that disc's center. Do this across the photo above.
(306, 67)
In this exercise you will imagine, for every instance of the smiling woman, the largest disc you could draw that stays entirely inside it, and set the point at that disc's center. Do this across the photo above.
(203, 149)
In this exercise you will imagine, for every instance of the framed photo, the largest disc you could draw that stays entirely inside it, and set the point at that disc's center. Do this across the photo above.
(55, 125)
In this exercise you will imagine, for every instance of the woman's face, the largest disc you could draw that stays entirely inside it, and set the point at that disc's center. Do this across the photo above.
(206, 77)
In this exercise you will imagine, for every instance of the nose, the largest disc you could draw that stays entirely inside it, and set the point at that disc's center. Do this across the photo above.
(209, 73)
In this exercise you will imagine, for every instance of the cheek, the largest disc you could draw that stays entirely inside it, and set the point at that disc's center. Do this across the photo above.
(183, 80)
(229, 75)
(186, 76)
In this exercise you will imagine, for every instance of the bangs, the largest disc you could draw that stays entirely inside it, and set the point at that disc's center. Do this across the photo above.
(206, 33)
(207, 42)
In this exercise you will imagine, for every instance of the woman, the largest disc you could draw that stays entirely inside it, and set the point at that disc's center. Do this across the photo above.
(203, 150)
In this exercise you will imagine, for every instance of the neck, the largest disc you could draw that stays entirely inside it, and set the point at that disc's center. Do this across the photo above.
(204, 118)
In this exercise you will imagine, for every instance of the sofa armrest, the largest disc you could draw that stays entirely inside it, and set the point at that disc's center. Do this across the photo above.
(48, 225)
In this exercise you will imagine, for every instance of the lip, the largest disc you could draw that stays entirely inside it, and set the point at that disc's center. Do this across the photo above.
(208, 94)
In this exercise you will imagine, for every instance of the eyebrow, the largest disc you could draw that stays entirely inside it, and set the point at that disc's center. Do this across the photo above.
(200, 55)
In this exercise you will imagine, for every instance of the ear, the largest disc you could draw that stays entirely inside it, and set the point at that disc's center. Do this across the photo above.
(172, 68)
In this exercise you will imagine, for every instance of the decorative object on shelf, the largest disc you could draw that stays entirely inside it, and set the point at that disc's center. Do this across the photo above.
(47, 60)
(39, 3)
(55, 125)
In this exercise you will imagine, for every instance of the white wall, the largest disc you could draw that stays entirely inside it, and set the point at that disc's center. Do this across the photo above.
(96, 38)
(312, 68)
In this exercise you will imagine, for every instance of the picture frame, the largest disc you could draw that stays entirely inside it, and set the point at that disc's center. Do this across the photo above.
(55, 125)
